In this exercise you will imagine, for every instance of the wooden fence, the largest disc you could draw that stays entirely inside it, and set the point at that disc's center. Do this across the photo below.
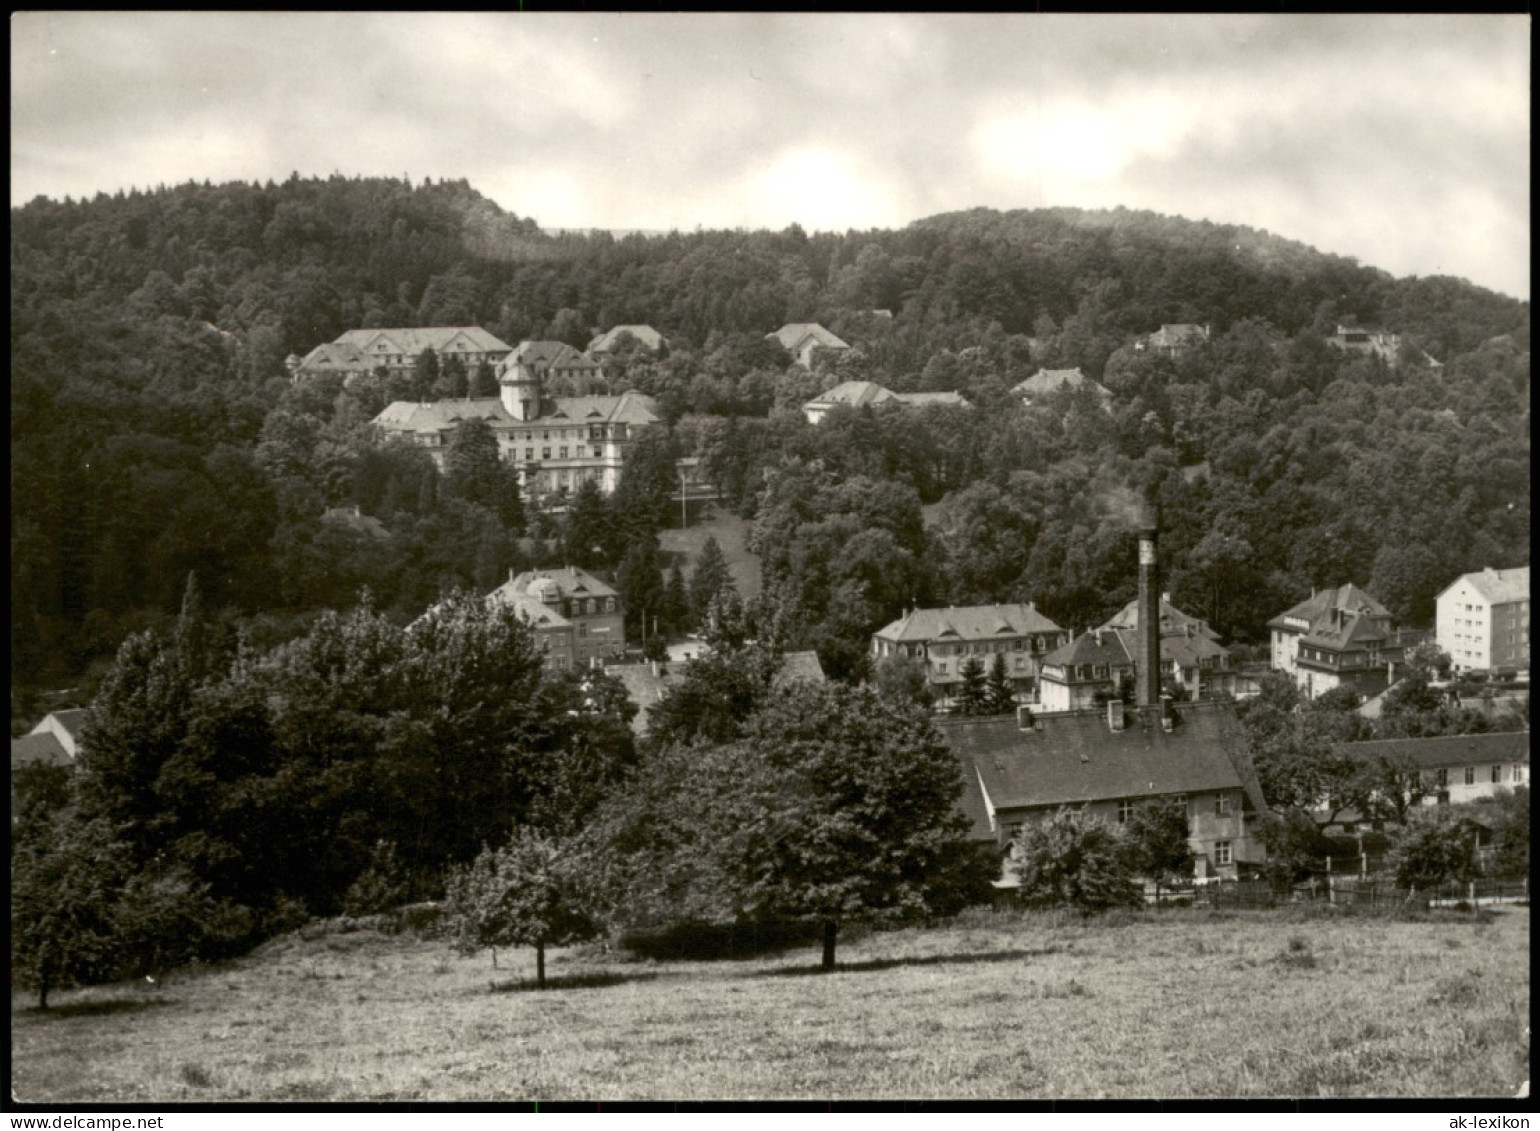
(1360, 892)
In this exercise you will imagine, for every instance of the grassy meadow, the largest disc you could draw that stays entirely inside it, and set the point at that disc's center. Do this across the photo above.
(731, 533)
(996, 1005)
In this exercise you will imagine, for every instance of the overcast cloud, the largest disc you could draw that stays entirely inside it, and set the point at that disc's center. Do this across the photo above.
(1401, 140)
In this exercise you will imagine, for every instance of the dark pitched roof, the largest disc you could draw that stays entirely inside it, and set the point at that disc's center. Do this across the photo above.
(971, 622)
(1075, 756)
(1451, 750)
(1173, 621)
(1317, 609)
(1102, 646)
(547, 355)
(38, 750)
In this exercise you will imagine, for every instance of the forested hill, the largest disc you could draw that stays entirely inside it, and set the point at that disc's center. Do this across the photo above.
(154, 429)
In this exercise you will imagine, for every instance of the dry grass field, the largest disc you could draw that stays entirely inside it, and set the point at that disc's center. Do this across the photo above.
(1179, 1004)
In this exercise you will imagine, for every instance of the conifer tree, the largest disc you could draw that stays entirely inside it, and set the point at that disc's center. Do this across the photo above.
(1000, 696)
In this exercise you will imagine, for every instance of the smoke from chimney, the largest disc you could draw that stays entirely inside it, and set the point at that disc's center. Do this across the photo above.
(1149, 610)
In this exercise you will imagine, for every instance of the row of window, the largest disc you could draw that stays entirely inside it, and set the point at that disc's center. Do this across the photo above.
(545, 453)
(986, 648)
(1021, 664)
(1441, 777)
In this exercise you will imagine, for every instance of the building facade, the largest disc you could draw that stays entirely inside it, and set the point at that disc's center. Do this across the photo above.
(1108, 762)
(1339, 637)
(944, 640)
(396, 350)
(555, 635)
(803, 340)
(1483, 620)
(1103, 663)
(854, 394)
(556, 443)
(572, 599)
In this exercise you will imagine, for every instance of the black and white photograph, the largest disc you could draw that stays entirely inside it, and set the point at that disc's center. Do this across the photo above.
(563, 559)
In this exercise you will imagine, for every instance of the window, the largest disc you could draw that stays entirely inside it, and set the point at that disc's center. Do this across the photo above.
(1518, 774)
(941, 669)
(1497, 774)
(529, 453)
(1222, 805)
(562, 454)
(1125, 811)
(1180, 799)
(1470, 775)
(545, 453)
(593, 606)
(609, 604)
(598, 453)
(1442, 778)
(1222, 853)
(582, 629)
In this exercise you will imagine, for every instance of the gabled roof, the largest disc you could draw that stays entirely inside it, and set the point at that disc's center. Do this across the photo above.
(1045, 381)
(412, 340)
(1497, 586)
(1173, 622)
(440, 416)
(1451, 750)
(852, 393)
(1103, 646)
(334, 355)
(1355, 630)
(570, 580)
(38, 750)
(1071, 757)
(541, 355)
(536, 614)
(641, 332)
(72, 720)
(1186, 651)
(971, 622)
(794, 335)
(1327, 630)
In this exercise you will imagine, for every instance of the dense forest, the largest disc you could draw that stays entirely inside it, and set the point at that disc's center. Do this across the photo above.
(155, 431)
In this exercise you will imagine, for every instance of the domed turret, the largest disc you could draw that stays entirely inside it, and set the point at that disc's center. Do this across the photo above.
(520, 390)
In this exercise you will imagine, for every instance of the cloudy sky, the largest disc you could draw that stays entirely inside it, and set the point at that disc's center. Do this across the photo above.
(1401, 140)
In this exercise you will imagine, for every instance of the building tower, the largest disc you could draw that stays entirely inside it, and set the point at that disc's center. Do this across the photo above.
(1148, 659)
(520, 391)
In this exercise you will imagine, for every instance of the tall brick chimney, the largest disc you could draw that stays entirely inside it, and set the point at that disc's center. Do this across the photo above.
(1148, 658)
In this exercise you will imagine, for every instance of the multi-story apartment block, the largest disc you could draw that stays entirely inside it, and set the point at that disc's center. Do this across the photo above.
(945, 639)
(1483, 620)
(557, 443)
(1338, 637)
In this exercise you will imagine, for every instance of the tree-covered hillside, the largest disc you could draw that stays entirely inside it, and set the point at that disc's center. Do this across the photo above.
(155, 431)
